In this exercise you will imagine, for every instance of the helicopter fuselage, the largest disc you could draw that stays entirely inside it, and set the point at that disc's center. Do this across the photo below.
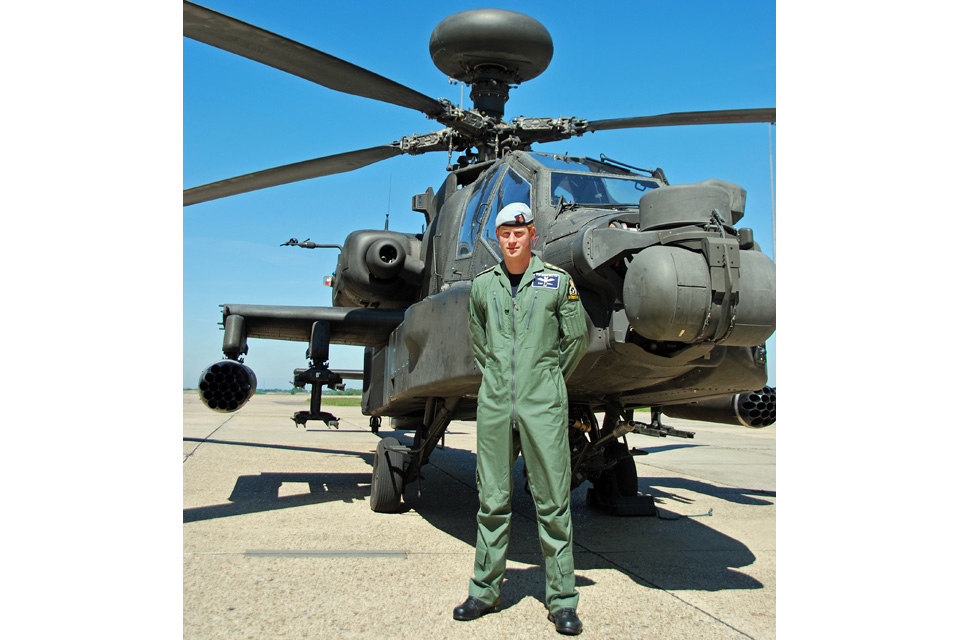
(679, 302)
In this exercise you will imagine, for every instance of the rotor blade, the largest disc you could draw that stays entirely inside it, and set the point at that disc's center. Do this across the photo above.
(328, 165)
(259, 45)
(686, 117)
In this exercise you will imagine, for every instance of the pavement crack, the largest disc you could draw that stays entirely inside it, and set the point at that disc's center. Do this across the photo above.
(207, 437)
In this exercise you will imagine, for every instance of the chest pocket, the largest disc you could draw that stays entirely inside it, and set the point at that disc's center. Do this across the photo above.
(499, 313)
(532, 310)
(540, 310)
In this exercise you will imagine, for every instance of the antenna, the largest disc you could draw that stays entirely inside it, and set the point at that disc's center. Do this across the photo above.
(773, 209)
(386, 226)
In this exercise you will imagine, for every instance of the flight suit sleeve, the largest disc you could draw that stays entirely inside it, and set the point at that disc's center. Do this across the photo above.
(573, 330)
(478, 324)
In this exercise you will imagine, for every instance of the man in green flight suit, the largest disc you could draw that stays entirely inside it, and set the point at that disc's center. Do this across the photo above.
(528, 332)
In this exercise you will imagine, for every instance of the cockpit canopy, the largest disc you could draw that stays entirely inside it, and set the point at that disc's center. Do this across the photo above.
(579, 181)
(571, 180)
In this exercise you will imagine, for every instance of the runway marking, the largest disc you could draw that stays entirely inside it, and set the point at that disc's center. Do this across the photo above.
(330, 553)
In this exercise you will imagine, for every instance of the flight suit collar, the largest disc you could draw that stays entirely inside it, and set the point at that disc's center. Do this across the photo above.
(536, 264)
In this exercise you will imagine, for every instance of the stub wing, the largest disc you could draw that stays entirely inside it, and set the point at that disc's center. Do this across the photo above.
(348, 325)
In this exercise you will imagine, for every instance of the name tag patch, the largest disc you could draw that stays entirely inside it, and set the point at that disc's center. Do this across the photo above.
(546, 280)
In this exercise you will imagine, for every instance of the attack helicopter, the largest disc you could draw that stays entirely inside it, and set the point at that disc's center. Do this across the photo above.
(679, 301)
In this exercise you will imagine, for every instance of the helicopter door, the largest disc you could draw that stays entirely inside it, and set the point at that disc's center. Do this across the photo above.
(477, 208)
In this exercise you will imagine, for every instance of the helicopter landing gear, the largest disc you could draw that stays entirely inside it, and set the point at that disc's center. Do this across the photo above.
(411, 490)
(615, 490)
(386, 487)
(397, 469)
(621, 480)
(615, 487)
(317, 376)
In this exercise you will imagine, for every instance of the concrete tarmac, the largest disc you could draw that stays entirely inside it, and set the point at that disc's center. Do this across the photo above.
(279, 539)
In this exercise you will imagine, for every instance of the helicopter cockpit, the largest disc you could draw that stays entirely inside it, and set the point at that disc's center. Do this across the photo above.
(513, 188)
(572, 180)
(579, 181)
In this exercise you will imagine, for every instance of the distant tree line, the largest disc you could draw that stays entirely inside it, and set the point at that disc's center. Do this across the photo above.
(295, 390)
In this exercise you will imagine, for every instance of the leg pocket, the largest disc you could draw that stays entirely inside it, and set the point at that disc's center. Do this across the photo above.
(482, 556)
(565, 564)
(561, 588)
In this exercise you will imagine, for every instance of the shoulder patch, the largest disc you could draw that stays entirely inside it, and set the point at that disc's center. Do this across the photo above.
(572, 292)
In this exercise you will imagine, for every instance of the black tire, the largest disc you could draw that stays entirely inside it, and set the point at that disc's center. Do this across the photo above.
(625, 473)
(386, 485)
(621, 479)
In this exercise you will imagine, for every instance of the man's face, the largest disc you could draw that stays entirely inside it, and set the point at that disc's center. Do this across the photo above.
(515, 241)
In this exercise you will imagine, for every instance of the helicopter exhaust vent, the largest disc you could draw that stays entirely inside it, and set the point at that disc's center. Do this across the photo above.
(226, 386)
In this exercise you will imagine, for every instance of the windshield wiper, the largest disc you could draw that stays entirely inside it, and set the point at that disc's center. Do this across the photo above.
(654, 173)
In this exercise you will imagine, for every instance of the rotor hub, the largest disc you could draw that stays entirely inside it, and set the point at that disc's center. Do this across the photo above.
(489, 96)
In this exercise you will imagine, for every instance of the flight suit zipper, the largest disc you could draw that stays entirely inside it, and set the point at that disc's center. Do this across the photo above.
(513, 366)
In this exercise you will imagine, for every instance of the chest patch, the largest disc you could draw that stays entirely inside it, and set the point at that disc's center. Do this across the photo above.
(546, 281)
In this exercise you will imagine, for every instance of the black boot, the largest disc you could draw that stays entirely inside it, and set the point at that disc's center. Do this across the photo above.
(473, 608)
(567, 621)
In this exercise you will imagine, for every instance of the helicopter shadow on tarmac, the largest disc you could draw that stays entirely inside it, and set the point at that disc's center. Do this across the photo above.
(671, 553)
(261, 492)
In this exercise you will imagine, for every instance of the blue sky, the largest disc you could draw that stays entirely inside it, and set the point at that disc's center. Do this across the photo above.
(611, 59)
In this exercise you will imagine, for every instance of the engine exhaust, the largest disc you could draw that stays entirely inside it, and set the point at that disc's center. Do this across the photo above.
(227, 385)
(756, 409)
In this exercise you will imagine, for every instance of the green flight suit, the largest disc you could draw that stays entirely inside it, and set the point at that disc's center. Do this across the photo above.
(526, 348)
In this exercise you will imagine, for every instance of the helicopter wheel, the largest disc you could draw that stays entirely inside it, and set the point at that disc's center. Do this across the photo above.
(625, 473)
(621, 480)
(386, 485)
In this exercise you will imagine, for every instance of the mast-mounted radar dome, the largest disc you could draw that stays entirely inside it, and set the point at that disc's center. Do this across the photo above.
(490, 49)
